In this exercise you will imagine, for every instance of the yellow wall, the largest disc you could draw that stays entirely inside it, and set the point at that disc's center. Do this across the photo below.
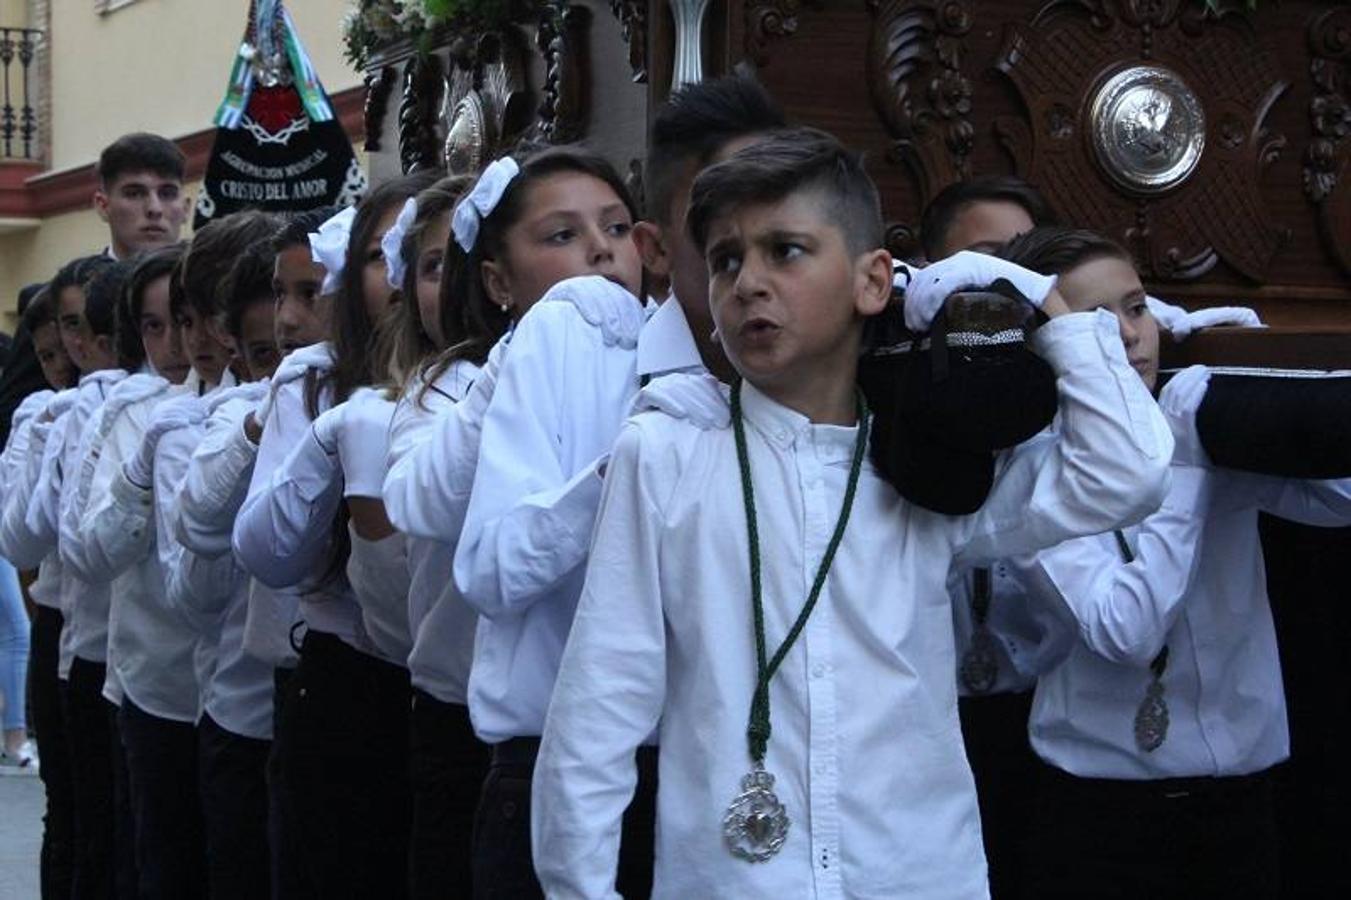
(14, 13)
(155, 65)
(162, 66)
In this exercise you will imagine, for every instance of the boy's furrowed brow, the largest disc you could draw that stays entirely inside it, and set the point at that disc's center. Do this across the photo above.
(724, 244)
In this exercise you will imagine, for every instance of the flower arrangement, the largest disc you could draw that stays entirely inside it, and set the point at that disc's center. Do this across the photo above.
(373, 23)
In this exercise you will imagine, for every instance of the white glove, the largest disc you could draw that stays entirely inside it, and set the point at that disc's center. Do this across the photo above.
(927, 289)
(180, 412)
(608, 306)
(696, 398)
(363, 445)
(132, 389)
(59, 406)
(1178, 402)
(249, 391)
(292, 368)
(1180, 323)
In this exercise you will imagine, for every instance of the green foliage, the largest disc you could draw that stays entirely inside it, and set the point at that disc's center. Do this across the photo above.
(370, 24)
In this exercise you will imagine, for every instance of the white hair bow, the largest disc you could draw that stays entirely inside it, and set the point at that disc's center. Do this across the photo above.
(479, 203)
(392, 243)
(328, 247)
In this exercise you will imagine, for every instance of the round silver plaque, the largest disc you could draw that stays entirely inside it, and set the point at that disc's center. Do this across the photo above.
(1148, 128)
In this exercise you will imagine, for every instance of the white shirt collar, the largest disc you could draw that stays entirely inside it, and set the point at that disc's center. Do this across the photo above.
(666, 344)
(783, 427)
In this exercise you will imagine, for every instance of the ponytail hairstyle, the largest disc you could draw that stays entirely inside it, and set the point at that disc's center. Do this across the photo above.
(470, 320)
(103, 298)
(411, 348)
(352, 331)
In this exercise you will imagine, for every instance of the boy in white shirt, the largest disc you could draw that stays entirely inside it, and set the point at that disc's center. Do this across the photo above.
(863, 790)
(1160, 730)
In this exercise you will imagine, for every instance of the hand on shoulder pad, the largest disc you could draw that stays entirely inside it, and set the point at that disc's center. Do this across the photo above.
(928, 288)
(1179, 400)
(608, 306)
(696, 398)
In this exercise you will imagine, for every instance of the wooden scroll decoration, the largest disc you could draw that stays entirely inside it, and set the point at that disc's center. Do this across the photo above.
(632, 15)
(920, 92)
(1327, 160)
(767, 20)
(422, 88)
(1059, 60)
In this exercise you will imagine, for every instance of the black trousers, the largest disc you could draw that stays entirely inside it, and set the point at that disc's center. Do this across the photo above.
(45, 690)
(289, 881)
(105, 861)
(1194, 838)
(994, 728)
(232, 771)
(503, 866)
(447, 766)
(165, 804)
(343, 752)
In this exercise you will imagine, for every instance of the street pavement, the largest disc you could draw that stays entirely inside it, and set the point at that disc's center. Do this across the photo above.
(21, 805)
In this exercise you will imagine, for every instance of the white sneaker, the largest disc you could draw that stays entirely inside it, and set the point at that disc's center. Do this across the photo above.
(22, 762)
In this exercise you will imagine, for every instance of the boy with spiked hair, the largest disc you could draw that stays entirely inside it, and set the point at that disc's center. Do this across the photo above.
(755, 571)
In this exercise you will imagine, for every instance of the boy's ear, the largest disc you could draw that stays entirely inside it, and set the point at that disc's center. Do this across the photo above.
(495, 283)
(873, 291)
(651, 241)
(101, 204)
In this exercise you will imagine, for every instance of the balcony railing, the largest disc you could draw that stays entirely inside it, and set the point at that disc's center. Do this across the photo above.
(18, 116)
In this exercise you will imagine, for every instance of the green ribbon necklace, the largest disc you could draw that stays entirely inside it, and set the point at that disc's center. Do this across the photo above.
(756, 824)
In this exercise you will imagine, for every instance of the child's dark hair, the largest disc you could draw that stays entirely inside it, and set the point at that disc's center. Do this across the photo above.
(295, 230)
(40, 310)
(792, 161)
(352, 332)
(248, 282)
(213, 251)
(147, 268)
(1054, 251)
(140, 152)
(948, 203)
(694, 124)
(103, 297)
(471, 320)
(77, 273)
(413, 349)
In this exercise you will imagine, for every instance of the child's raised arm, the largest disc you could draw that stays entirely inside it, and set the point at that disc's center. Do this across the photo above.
(1106, 467)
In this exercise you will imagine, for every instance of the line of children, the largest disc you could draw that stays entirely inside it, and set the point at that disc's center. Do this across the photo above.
(410, 615)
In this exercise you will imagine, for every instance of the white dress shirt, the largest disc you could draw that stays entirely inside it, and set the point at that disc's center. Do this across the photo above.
(866, 746)
(441, 623)
(1198, 585)
(153, 643)
(560, 399)
(22, 465)
(284, 532)
(23, 470)
(84, 604)
(206, 576)
(1028, 637)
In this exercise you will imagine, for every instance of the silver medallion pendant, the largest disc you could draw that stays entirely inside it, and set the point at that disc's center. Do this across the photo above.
(756, 824)
(1151, 719)
(980, 665)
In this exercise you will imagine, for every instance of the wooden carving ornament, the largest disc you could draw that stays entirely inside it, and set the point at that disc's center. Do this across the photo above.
(379, 84)
(767, 20)
(561, 40)
(1328, 156)
(422, 87)
(1059, 63)
(485, 107)
(919, 89)
(632, 15)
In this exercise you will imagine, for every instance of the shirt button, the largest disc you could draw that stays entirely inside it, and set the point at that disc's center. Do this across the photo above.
(819, 670)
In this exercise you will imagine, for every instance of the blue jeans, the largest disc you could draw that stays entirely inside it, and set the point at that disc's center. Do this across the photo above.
(14, 629)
